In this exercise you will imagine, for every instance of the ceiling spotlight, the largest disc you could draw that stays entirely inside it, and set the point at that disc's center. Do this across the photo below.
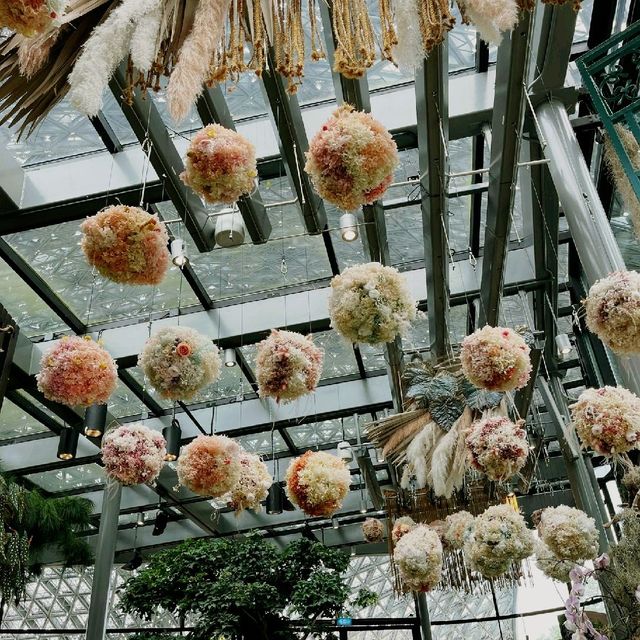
(140, 520)
(179, 253)
(95, 420)
(348, 227)
(335, 522)
(172, 435)
(161, 521)
(287, 505)
(353, 551)
(307, 532)
(68, 445)
(344, 451)
(563, 344)
(134, 563)
(230, 358)
(230, 230)
(274, 499)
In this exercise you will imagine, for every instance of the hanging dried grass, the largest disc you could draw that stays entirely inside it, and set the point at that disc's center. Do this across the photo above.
(355, 41)
(288, 40)
(435, 21)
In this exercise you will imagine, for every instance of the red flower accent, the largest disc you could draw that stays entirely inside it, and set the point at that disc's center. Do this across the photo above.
(183, 349)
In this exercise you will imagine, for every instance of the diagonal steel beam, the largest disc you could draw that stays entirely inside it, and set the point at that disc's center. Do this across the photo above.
(507, 126)
(147, 124)
(212, 108)
(432, 81)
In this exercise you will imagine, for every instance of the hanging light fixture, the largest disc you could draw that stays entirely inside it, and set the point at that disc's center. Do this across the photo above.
(179, 253)
(348, 227)
(287, 505)
(563, 344)
(173, 435)
(134, 563)
(274, 499)
(230, 230)
(95, 420)
(335, 522)
(160, 524)
(68, 445)
(141, 519)
(230, 358)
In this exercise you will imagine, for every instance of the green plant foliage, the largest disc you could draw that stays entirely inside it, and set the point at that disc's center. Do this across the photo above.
(245, 588)
(479, 399)
(446, 411)
(31, 522)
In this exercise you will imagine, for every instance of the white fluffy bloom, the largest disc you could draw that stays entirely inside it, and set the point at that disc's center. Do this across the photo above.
(491, 17)
(552, 566)
(409, 52)
(569, 533)
(418, 556)
(146, 40)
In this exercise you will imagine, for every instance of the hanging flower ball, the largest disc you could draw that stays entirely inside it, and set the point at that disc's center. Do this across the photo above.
(77, 372)
(500, 537)
(253, 486)
(210, 466)
(288, 366)
(497, 447)
(418, 556)
(402, 526)
(492, 18)
(552, 566)
(607, 420)
(126, 245)
(458, 527)
(373, 530)
(220, 165)
(133, 454)
(371, 303)
(351, 160)
(569, 533)
(179, 362)
(613, 311)
(30, 17)
(318, 482)
(496, 359)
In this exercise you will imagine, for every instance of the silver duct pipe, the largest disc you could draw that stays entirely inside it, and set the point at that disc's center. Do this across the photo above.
(588, 223)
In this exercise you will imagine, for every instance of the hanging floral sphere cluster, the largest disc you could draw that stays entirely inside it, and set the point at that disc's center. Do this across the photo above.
(370, 303)
(179, 362)
(318, 482)
(221, 165)
(497, 447)
(552, 566)
(418, 556)
(458, 528)
(351, 160)
(126, 245)
(607, 420)
(133, 454)
(373, 530)
(496, 359)
(288, 366)
(500, 537)
(613, 311)
(492, 18)
(252, 487)
(210, 466)
(401, 527)
(77, 372)
(570, 534)
(30, 17)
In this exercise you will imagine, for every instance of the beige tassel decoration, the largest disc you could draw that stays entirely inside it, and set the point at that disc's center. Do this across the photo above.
(355, 42)
(33, 53)
(288, 41)
(436, 20)
(191, 71)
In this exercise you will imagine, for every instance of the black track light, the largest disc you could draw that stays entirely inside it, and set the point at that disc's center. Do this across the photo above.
(162, 519)
(173, 435)
(95, 420)
(307, 532)
(68, 445)
(274, 499)
(134, 563)
(287, 505)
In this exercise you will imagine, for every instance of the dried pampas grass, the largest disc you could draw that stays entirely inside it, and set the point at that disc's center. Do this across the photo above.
(622, 183)
(33, 53)
(491, 17)
(146, 40)
(196, 54)
(409, 52)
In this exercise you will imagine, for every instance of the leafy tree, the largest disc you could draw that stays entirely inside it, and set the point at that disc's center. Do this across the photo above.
(245, 588)
(30, 523)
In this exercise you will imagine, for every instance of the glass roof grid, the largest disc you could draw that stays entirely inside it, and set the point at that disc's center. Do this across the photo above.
(260, 443)
(124, 403)
(16, 423)
(405, 234)
(116, 118)
(64, 267)
(316, 434)
(407, 168)
(462, 44)
(70, 478)
(191, 123)
(36, 403)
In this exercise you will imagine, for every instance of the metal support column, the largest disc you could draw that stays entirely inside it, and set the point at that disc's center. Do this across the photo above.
(106, 547)
(594, 240)
(422, 611)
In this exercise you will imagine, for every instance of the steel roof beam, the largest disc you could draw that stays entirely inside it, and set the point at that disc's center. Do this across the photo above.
(432, 82)
(507, 127)
(212, 108)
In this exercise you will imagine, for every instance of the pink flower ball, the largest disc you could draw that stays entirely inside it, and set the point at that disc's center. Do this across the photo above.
(351, 160)
(221, 165)
(77, 372)
(126, 245)
(29, 17)
(133, 454)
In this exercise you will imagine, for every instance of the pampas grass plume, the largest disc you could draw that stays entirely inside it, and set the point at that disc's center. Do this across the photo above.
(491, 17)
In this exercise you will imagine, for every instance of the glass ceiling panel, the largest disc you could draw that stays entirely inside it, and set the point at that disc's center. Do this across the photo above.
(33, 316)
(123, 402)
(627, 241)
(55, 253)
(16, 423)
(306, 436)
(57, 480)
(260, 443)
(39, 405)
(116, 118)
